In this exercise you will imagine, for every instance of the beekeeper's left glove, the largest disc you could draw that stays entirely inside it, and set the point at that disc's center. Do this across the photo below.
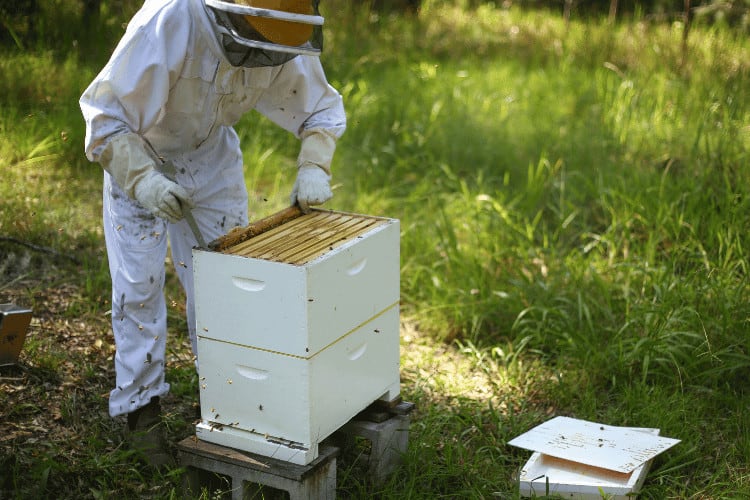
(313, 183)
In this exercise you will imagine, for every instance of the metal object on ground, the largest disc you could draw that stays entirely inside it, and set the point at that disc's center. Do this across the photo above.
(298, 330)
(14, 321)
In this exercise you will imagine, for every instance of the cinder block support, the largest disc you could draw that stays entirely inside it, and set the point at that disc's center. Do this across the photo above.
(388, 434)
(316, 481)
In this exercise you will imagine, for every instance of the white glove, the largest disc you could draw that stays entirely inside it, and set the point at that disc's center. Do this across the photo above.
(312, 187)
(127, 159)
(162, 197)
(313, 184)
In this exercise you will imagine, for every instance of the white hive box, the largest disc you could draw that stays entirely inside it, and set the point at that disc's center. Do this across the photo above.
(544, 476)
(298, 331)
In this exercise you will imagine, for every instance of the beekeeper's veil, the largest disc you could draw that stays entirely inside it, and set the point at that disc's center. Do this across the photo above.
(267, 32)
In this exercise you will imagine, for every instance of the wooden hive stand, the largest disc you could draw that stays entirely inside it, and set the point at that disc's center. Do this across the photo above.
(315, 481)
(384, 426)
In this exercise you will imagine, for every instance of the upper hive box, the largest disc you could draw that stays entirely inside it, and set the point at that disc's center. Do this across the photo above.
(301, 285)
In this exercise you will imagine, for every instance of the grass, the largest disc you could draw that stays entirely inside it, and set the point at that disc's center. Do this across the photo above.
(573, 202)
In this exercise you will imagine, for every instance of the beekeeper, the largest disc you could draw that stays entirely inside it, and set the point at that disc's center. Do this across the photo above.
(159, 119)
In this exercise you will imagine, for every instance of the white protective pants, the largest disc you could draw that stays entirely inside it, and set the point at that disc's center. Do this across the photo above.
(137, 246)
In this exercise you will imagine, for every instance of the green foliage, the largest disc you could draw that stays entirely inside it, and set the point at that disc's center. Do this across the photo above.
(573, 203)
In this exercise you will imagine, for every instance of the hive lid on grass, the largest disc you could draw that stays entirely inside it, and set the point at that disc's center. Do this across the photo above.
(619, 449)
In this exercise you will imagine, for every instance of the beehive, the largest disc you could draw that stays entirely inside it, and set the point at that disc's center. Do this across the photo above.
(298, 331)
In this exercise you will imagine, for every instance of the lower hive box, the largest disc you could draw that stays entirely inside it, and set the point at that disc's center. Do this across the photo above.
(298, 330)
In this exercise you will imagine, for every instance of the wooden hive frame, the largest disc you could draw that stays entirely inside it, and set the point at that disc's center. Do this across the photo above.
(295, 238)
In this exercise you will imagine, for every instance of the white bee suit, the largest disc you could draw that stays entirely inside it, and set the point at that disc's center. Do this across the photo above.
(169, 89)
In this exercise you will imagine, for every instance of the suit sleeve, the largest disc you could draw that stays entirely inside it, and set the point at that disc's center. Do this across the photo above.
(301, 99)
(131, 90)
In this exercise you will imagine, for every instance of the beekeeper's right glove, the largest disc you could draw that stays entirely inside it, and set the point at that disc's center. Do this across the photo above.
(125, 157)
(162, 197)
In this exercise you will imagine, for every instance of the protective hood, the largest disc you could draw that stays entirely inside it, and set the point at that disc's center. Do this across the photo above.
(257, 33)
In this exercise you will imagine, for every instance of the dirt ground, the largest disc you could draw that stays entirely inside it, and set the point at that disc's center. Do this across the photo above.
(53, 401)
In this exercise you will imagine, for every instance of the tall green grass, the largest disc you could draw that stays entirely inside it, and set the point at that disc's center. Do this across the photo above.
(578, 195)
(573, 201)
(563, 193)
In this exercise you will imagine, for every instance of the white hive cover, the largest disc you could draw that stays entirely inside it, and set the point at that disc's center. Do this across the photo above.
(620, 449)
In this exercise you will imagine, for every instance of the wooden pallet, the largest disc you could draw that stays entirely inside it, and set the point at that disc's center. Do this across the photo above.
(315, 481)
(385, 425)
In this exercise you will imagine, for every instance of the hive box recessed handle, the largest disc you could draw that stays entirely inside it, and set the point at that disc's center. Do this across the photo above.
(248, 284)
(357, 267)
(358, 352)
(252, 373)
